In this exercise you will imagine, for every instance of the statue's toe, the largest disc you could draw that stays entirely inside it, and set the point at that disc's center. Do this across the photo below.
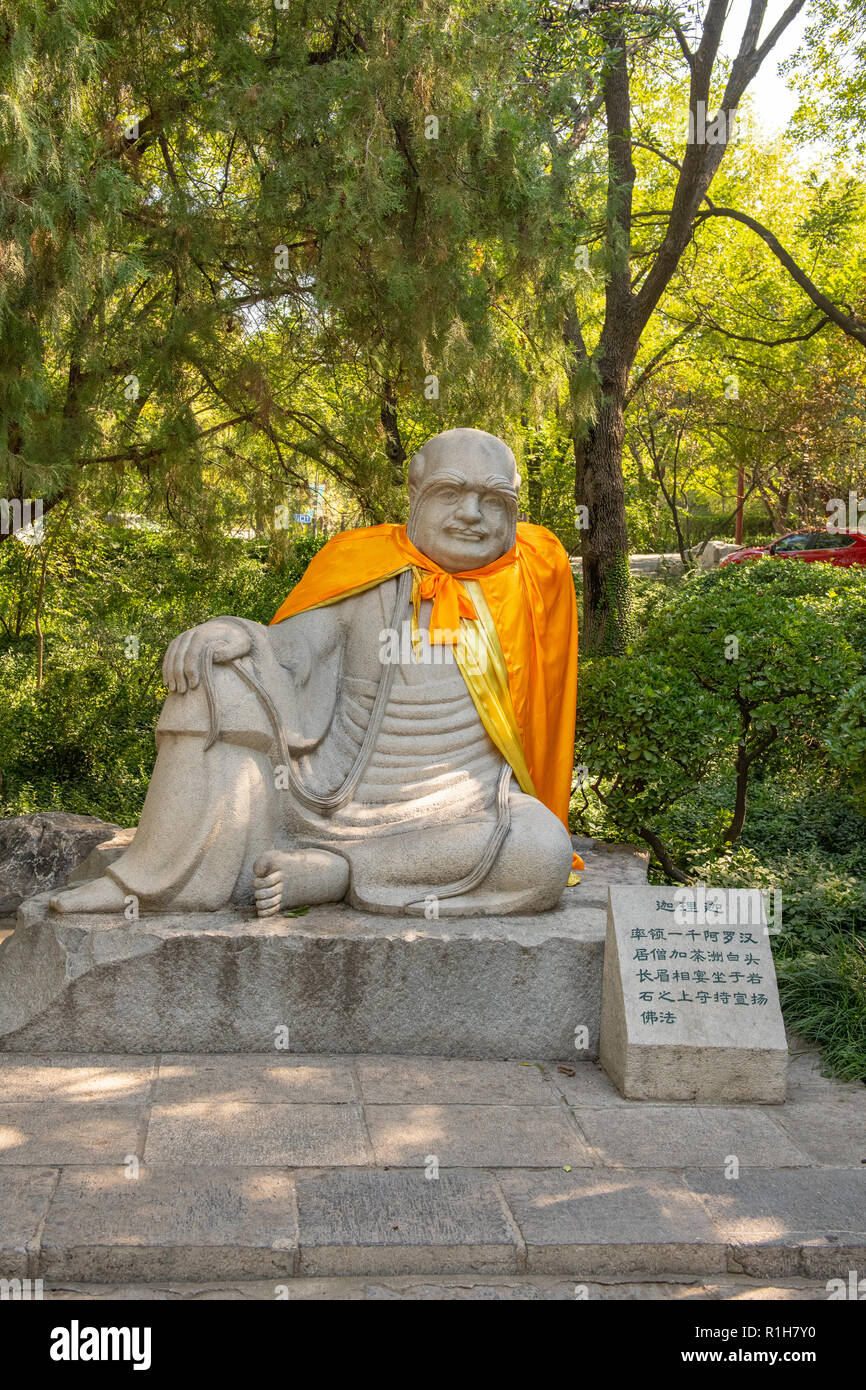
(264, 882)
(267, 865)
(268, 906)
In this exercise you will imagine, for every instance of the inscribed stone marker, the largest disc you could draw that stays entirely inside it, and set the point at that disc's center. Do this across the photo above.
(690, 1005)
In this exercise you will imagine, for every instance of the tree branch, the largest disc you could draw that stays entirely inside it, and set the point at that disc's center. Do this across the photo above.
(849, 323)
(660, 851)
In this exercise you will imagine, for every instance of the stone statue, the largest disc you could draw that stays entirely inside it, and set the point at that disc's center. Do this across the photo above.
(398, 737)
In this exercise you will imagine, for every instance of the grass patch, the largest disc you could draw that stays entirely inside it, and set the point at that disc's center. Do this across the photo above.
(824, 1000)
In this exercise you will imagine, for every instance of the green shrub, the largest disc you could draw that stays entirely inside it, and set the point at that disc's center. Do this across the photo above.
(734, 668)
(84, 742)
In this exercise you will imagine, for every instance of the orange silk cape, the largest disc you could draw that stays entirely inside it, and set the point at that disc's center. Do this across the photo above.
(529, 596)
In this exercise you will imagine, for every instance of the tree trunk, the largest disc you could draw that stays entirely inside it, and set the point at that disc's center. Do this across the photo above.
(533, 476)
(660, 851)
(394, 450)
(604, 550)
(628, 311)
(738, 820)
(606, 580)
(40, 637)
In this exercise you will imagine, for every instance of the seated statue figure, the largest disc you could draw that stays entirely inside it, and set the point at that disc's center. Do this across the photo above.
(401, 736)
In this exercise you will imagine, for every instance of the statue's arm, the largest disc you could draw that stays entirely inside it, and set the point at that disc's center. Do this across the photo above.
(295, 664)
(296, 645)
(300, 642)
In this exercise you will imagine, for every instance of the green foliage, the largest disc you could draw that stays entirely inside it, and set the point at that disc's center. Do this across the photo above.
(774, 644)
(829, 75)
(822, 895)
(646, 737)
(730, 665)
(824, 1000)
(84, 742)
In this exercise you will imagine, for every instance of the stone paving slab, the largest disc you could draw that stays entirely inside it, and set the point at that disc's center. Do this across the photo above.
(171, 1224)
(778, 1223)
(805, 1070)
(60, 1078)
(830, 1131)
(246, 1133)
(611, 1222)
(82, 1132)
(25, 1195)
(545, 1173)
(242, 1077)
(588, 1086)
(533, 1136)
(447, 1081)
(403, 1223)
(688, 1137)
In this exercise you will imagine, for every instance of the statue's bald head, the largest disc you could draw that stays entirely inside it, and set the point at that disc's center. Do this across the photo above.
(463, 487)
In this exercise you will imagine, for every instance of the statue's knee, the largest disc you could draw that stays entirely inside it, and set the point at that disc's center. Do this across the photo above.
(237, 715)
(539, 847)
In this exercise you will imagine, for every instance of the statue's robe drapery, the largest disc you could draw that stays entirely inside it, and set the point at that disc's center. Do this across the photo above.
(447, 731)
(525, 607)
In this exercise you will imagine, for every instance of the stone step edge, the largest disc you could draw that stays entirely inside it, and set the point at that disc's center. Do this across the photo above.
(815, 1260)
(662, 1286)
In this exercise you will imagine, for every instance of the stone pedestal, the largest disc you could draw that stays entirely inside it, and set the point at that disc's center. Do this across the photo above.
(332, 980)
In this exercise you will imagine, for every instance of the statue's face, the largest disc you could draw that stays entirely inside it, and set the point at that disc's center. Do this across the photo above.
(464, 517)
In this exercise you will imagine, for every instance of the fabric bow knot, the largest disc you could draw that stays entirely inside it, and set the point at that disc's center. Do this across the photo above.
(450, 603)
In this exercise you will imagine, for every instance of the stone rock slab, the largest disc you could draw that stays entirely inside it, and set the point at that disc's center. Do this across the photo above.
(25, 1194)
(102, 855)
(690, 1003)
(179, 1223)
(403, 1223)
(795, 1222)
(611, 1223)
(39, 851)
(608, 865)
(333, 980)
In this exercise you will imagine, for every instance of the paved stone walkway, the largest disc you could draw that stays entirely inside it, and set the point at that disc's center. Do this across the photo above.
(309, 1177)
(451, 1288)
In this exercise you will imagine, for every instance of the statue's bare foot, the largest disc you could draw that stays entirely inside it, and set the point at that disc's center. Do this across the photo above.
(298, 878)
(269, 882)
(100, 895)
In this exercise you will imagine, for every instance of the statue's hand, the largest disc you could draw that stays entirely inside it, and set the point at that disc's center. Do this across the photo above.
(181, 668)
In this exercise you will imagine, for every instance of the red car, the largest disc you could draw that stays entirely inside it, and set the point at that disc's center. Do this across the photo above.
(834, 547)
